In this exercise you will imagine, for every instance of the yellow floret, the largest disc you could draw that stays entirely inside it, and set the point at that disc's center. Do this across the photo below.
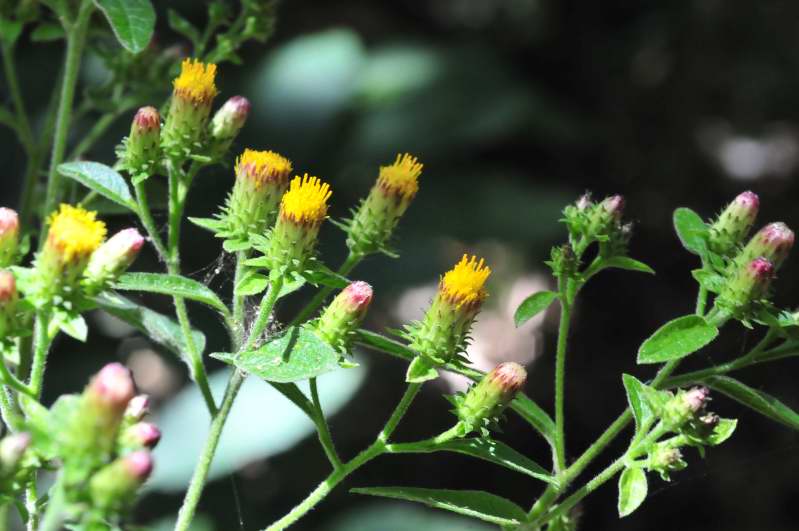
(306, 200)
(463, 284)
(262, 166)
(196, 81)
(75, 233)
(402, 177)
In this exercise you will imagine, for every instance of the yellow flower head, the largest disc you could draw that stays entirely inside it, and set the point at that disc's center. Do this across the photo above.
(75, 233)
(263, 166)
(306, 200)
(196, 81)
(402, 177)
(463, 284)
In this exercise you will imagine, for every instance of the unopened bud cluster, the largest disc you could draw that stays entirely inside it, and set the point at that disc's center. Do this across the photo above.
(734, 223)
(589, 221)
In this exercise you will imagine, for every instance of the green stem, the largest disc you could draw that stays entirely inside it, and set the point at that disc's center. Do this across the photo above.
(375, 449)
(76, 39)
(54, 515)
(319, 299)
(146, 217)
(322, 428)
(264, 313)
(200, 474)
(41, 345)
(238, 302)
(560, 376)
(197, 367)
(13, 421)
(427, 445)
(31, 504)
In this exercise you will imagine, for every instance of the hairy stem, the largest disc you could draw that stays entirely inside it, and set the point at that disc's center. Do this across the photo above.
(560, 376)
(76, 39)
(322, 428)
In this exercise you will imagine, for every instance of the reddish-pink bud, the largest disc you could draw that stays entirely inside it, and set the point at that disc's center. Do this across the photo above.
(760, 270)
(696, 398)
(8, 287)
(509, 376)
(146, 434)
(358, 296)
(113, 386)
(747, 203)
(9, 222)
(138, 408)
(584, 202)
(113, 257)
(139, 465)
(614, 205)
(147, 119)
(230, 118)
(777, 240)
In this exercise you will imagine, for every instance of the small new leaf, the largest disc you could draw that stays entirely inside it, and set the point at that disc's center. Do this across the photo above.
(533, 305)
(637, 400)
(632, 490)
(692, 231)
(677, 339)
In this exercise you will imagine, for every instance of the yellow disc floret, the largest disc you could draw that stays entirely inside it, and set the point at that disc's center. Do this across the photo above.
(306, 200)
(263, 166)
(75, 233)
(463, 284)
(402, 177)
(196, 81)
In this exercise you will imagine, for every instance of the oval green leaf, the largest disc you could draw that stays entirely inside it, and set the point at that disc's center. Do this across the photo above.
(298, 354)
(174, 285)
(676, 339)
(691, 230)
(474, 503)
(632, 490)
(763, 403)
(532, 305)
(102, 179)
(635, 397)
(132, 21)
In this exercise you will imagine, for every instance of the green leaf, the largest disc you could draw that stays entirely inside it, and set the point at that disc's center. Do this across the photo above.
(183, 26)
(692, 231)
(102, 179)
(627, 263)
(489, 450)
(46, 32)
(535, 416)
(759, 401)
(133, 21)
(73, 326)
(174, 285)
(210, 224)
(632, 490)
(298, 354)
(420, 371)
(532, 305)
(709, 280)
(234, 246)
(321, 274)
(635, 397)
(676, 339)
(252, 284)
(723, 431)
(159, 328)
(474, 503)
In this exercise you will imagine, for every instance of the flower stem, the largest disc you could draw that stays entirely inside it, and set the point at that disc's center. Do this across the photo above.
(76, 39)
(375, 449)
(41, 345)
(322, 428)
(319, 299)
(187, 510)
(560, 375)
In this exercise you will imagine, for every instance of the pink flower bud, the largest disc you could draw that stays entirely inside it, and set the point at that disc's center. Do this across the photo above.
(138, 408)
(145, 434)
(777, 240)
(747, 204)
(147, 119)
(8, 287)
(509, 377)
(139, 465)
(9, 236)
(357, 296)
(230, 118)
(584, 202)
(614, 205)
(9, 222)
(112, 387)
(12, 449)
(696, 398)
(489, 398)
(113, 257)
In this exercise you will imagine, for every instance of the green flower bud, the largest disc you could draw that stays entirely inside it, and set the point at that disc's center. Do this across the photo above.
(9, 236)
(374, 221)
(112, 258)
(685, 406)
(142, 147)
(228, 121)
(734, 223)
(605, 218)
(486, 400)
(665, 459)
(192, 96)
(262, 178)
(114, 486)
(303, 208)
(344, 314)
(773, 242)
(749, 283)
(443, 331)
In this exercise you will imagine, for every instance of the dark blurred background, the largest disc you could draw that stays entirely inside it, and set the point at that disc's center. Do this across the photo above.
(515, 107)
